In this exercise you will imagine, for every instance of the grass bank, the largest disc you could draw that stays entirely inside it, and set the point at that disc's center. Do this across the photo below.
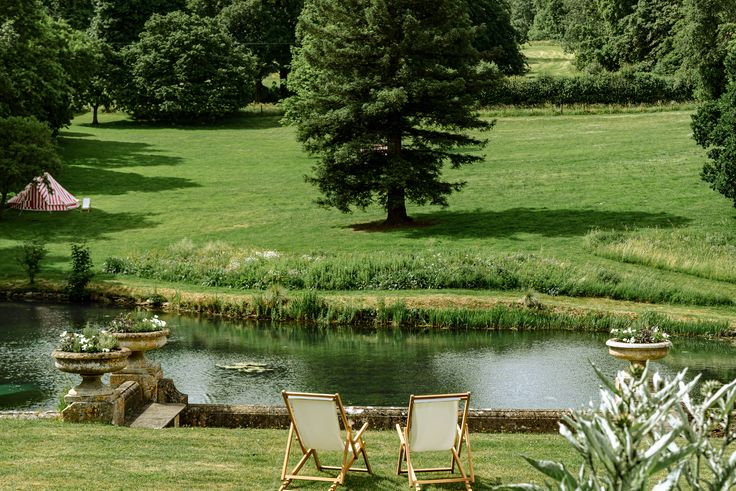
(220, 264)
(53, 455)
(455, 310)
(707, 255)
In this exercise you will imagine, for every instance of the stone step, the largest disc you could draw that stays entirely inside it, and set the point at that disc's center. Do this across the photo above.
(157, 416)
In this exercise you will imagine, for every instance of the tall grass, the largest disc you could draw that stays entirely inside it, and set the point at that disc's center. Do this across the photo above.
(222, 265)
(708, 255)
(308, 307)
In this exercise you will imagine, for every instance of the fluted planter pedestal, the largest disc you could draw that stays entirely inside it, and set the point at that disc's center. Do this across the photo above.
(91, 367)
(638, 353)
(92, 400)
(140, 369)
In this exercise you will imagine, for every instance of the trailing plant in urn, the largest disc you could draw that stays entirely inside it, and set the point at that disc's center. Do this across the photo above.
(640, 341)
(90, 340)
(136, 322)
(90, 354)
(640, 332)
(140, 333)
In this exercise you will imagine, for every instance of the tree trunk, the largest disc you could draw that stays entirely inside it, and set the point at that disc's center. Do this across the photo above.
(283, 75)
(95, 121)
(259, 91)
(2, 203)
(396, 208)
(396, 198)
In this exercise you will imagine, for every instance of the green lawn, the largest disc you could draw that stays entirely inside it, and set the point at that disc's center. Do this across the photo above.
(545, 183)
(52, 455)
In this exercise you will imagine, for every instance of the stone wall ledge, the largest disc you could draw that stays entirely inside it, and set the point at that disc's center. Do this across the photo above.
(378, 418)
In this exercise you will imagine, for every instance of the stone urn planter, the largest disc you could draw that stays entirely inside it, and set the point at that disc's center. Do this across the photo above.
(91, 366)
(638, 353)
(138, 343)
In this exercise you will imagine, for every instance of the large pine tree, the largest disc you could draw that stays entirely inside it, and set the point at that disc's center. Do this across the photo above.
(385, 92)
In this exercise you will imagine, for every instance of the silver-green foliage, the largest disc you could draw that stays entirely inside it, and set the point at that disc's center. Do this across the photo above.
(646, 427)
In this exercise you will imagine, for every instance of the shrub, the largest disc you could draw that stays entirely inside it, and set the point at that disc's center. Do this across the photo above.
(647, 426)
(81, 272)
(31, 255)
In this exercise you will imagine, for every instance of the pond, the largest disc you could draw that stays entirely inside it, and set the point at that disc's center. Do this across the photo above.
(503, 370)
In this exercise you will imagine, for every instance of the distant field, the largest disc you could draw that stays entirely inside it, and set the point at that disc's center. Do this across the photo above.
(547, 58)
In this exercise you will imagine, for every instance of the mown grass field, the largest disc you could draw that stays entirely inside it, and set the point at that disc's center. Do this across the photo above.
(545, 183)
(53, 455)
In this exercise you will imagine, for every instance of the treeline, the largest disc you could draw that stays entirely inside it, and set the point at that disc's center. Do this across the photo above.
(171, 60)
(687, 39)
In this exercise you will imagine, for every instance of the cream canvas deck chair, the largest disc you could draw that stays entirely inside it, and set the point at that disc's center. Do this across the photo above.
(314, 422)
(432, 425)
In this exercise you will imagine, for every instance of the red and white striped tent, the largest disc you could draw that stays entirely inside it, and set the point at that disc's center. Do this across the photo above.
(43, 194)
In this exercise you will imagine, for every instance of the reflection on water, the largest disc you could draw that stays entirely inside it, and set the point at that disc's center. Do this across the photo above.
(501, 369)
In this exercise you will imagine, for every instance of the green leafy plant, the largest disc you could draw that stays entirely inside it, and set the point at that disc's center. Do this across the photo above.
(81, 272)
(645, 329)
(647, 426)
(30, 257)
(90, 340)
(136, 322)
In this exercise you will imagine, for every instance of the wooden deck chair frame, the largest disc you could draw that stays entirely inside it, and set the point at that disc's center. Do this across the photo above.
(461, 436)
(354, 445)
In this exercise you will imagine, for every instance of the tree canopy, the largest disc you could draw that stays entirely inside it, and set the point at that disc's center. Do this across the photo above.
(714, 128)
(119, 22)
(33, 78)
(497, 40)
(184, 68)
(383, 94)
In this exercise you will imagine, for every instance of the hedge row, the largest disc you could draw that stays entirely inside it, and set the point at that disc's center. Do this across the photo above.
(604, 88)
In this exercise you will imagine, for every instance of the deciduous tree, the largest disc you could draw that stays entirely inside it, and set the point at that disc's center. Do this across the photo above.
(384, 95)
(26, 151)
(497, 40)
(184, 68)
(267, 28)
(33, 78)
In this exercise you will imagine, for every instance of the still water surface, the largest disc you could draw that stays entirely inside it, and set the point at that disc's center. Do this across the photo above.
(532, 370)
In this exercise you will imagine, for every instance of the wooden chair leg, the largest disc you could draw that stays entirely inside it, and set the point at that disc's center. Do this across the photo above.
(286, 454)
(365, 458)
(466, 479)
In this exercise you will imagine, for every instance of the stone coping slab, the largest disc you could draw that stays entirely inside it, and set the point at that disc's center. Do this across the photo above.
(378, 418)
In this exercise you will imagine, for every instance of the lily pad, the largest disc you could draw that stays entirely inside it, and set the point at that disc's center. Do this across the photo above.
(247, 367)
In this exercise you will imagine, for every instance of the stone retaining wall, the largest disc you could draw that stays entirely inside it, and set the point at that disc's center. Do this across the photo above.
(378, 418)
